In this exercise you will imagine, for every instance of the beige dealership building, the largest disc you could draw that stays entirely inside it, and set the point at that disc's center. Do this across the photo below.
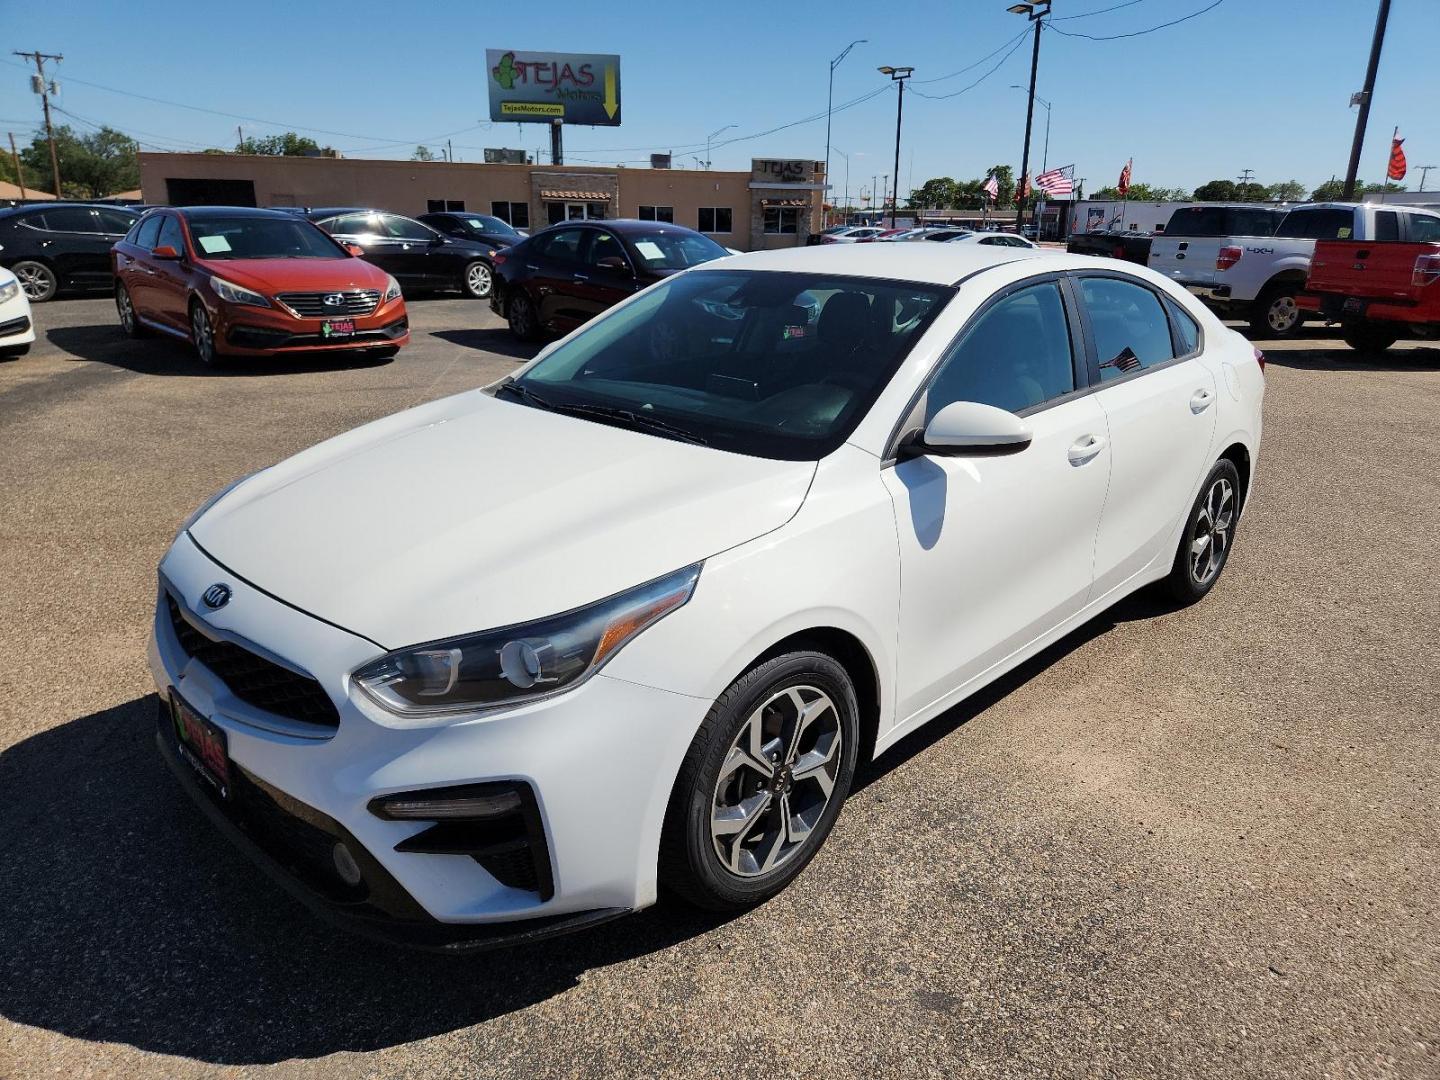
(778, 203)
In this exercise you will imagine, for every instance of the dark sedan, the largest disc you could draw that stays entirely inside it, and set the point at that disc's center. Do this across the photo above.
(481, 228)
(418, 256)
(568, 273)
(61, 245)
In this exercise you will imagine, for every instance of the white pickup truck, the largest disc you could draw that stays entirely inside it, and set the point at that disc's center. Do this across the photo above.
(1257, 277)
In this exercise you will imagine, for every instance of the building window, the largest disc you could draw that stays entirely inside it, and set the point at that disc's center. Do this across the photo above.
(658, 213)
(516, 214)
(595, 211)
(714, 219)
(440, 206)
(782, 220)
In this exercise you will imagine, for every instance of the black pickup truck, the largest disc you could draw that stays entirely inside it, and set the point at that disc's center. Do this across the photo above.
(1130, 246)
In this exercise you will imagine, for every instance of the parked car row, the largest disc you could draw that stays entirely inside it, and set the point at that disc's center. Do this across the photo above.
(869, 234)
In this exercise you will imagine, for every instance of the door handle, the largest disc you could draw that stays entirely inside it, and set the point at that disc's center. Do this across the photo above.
(1085, 449)
(531, 266)
(1200, 401)
(580, 277)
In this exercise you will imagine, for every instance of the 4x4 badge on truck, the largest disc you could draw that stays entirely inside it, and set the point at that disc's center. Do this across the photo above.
(216, 596)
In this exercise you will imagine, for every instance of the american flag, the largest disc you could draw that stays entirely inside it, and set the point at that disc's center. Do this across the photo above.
(991, 187)
(1055, 183)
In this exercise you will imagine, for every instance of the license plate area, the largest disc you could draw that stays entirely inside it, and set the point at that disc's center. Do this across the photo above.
(203, 746)
(337, 328)
(1354, 306)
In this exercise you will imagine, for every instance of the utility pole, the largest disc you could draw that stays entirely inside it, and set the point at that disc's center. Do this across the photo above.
(1035, 11)
(449, 151)
(1425, 170)
(43, 88)
(20, 175)
(1363, 98)
(829, 105)
(1245, 175)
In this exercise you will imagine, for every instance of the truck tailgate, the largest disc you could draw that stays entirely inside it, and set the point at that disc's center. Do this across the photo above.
(1189, 260)
(1374, 270)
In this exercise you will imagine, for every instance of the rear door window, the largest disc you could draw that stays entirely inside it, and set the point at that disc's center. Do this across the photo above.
(73, 219)
(563, 245)
(1255, 222)
(1387, 225)
(402, 228)
(366, 225)
(1422, 229)
(1129, 324)
(1198, 221)
(115, 222)
(1320, 223)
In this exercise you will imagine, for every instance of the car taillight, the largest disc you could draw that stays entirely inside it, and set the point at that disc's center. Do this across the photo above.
(1427, 270)
(1259, 359)
(1118, 251)
(1228, 257)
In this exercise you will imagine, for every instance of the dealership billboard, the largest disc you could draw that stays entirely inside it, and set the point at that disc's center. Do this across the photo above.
(537, 87)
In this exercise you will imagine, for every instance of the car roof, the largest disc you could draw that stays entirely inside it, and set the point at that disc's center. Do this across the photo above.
(200, 213)
(627, 226)
(10, 211)
(331, 211)
(935, 264)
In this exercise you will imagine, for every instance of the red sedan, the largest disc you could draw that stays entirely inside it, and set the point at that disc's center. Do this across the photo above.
(236, 281)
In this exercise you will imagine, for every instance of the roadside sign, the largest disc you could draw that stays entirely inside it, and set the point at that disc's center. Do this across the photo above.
(540, 87)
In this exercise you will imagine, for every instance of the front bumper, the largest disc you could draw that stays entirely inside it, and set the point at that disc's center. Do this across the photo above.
(600, 761)
(252, 331)
(15, 325)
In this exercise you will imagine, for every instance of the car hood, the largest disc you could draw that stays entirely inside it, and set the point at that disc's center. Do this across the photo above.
(471, 513)
(295, 275)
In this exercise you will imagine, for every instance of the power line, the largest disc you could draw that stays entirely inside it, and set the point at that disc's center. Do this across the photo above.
(1101, 11)
(977, 63)
(999, 64)
(1139, 33)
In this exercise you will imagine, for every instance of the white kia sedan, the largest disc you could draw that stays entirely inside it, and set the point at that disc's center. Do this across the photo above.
(506, 664)
(17, 332)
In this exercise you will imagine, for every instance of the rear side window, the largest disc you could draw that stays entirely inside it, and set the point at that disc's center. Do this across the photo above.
(115, 221)
(1015, 356)
(1130, 327)
(1253, 222)
(72, 219)
(1387, 225)
(1187, 330)
(149, 230)
(1317, 224)
(353, 225)
(402, 228)
(563, 245)
(1197, 221)
(1422, 229)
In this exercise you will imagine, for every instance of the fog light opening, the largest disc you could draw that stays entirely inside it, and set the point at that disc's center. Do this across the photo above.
(345, 864)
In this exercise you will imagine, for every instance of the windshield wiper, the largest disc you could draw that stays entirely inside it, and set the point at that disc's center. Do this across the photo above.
(631, 418)
(524, 393)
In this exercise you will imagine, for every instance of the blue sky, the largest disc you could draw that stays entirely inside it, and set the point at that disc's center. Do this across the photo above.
(1258, 84)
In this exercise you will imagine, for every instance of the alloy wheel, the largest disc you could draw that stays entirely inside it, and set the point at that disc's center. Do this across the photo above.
(35, 281)
(1283, 314)
(477, 280)
(522, 317)
(1210, 537)
(203, 334)
(777, 781)
(127, 311)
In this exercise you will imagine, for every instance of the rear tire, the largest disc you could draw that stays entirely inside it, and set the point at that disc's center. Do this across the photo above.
(1368, 338)
(1275, 313)
(1209, 535)
(125, 308)
(520, 312)
(762, 783)
(37, 281)
(477, 280)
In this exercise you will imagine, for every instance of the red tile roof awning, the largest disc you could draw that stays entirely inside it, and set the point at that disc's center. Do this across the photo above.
(784, 202)
(577, 196)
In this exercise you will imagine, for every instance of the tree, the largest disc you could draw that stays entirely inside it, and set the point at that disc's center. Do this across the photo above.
(1216, 191)
(1144, 193)
(1286, 191)
(935, 194)
(1334, 190)
(1005, 180)
(287, 145)
(424, 153)
(91, 166)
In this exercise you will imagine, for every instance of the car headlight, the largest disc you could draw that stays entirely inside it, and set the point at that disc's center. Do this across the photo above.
(9, 291)
(392, 289)
(523, 662)
(199, 511)
(237, 294)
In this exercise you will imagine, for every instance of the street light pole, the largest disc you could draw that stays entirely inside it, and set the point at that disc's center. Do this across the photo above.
(1045, 161)
(898, 75)
(829, 105)
(846, 156)
(711, 136)
(1363, 98)
(1035, 11)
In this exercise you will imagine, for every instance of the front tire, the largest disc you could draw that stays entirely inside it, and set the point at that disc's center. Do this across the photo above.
(202, 335)
(1368, 338)
(37, 280)
(524, 323)
(762, 783)
(1209, 535)
(477, 280)
(1276, 314)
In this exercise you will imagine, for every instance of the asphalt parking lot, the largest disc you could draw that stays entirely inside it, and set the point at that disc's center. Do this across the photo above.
(1184, 844)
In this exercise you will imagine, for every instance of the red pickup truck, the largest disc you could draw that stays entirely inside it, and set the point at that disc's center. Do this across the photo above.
(1378, 291)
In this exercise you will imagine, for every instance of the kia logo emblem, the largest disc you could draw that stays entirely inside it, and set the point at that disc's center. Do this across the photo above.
(335, 299)
(216, 596)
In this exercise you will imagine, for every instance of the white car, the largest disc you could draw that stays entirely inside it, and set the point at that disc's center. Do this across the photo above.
(500, 666)
(17, 330)
(995, 239)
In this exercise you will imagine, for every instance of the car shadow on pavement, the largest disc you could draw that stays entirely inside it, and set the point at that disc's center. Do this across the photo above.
(1347, 359)
(1145, 604)
(126, 918)
(492, 340)
(160, 355)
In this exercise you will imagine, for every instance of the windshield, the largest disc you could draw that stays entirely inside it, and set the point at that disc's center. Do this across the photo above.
(261, 238)
(491, 225)
(777, 365)
(674, 250)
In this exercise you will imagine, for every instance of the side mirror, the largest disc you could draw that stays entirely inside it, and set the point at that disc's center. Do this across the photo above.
(165, 251)
(615, 264)
(356, 250)
(968, 427)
